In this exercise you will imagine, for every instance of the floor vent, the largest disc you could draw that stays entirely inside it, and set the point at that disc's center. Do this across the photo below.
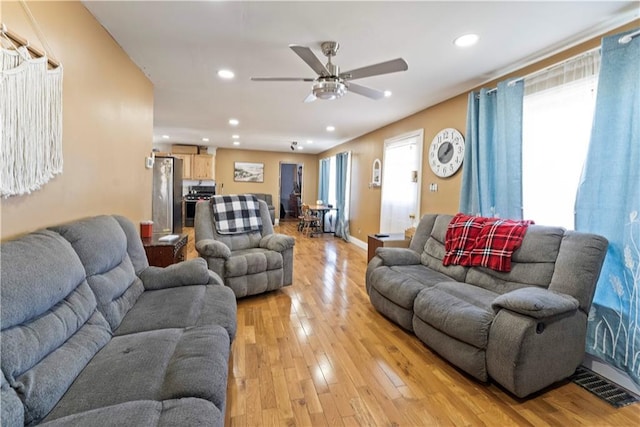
(610, 392)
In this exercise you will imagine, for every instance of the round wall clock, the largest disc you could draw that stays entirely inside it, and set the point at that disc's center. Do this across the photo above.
(446, 152)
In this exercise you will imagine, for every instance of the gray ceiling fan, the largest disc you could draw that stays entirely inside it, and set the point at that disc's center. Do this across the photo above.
(331, 83)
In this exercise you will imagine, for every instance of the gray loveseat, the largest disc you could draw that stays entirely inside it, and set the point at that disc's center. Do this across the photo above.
(525, 328)
(250, 263)
(268, 199)
(92, 335)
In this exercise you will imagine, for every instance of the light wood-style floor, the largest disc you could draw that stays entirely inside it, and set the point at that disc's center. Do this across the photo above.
(317, 354)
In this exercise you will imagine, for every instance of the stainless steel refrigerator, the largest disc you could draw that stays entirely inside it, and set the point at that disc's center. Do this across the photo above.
(167, 195)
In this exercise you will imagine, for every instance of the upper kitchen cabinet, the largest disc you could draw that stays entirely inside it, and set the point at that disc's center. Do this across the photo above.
(187, 164)
(203, 167)
(196, 165)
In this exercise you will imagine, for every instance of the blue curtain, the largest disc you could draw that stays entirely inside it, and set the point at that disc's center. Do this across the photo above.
(492, 171)
(342, 177)
(323, 180)
(608, 203)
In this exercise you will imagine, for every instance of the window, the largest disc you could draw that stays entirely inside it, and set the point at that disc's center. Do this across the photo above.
(557, 114)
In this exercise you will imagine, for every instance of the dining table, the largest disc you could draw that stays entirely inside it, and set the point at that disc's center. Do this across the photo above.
(322, 211)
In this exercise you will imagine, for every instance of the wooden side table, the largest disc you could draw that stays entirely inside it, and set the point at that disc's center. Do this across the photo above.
(396, 240)
(164, 253)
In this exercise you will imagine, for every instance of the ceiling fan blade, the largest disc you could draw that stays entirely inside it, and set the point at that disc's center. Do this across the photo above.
(310, 58)
(365, 91)
(387, 67)
(281, 79)
(310, 98)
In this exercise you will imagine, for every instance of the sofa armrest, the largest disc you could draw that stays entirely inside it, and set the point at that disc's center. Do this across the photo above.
(191, 272)
(398, 256)
(210, 248)
(277, 242)
(215, 279)
(537, 303)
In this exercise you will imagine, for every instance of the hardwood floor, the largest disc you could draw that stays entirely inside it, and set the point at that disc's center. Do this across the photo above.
(317, 354)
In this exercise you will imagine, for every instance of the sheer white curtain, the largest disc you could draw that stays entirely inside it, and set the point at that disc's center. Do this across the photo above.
(557, 115)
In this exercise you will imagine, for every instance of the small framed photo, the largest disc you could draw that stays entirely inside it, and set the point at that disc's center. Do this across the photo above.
(248, 172)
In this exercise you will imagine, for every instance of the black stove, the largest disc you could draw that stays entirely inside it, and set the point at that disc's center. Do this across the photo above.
(196, 193)
(200, 192)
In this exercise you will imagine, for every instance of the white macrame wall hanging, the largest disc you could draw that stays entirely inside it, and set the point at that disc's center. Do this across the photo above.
(30, 121)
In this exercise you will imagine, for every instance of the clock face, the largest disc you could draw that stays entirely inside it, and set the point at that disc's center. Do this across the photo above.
(446, 152)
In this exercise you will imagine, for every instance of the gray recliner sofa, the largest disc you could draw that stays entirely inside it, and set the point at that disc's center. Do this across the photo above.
(93, 335)
(249, 263)
(268, 199)
(525, 328)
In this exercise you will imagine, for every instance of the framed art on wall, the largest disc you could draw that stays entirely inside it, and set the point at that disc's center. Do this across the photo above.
(248, 172)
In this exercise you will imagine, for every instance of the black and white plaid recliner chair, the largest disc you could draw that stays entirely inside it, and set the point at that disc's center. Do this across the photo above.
(250, 258)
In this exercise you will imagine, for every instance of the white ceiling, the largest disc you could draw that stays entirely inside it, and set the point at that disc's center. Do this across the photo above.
(181, 45)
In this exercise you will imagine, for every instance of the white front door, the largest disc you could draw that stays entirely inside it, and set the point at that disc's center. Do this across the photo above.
(401, 182)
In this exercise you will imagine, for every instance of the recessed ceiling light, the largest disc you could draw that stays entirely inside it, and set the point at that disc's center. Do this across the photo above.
(205, 139)
(165, 136)
(300, 147)
(466, 40)
(234, 122)
(235, 136)
(236, 142)
(226, 74)
(309, 141)
(387, 93)
(330, 128)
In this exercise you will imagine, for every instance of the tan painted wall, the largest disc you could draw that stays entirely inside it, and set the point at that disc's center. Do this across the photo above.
(225, 159)
(107, 124)
(365, 202)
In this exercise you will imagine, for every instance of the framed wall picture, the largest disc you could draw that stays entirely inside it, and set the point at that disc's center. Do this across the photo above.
(248, 172)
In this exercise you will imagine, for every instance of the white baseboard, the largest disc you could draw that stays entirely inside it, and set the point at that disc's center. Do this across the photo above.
(358, 243)
(611, 373)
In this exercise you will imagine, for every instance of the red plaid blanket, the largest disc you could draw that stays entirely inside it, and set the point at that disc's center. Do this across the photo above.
(485, 242)
(497, 241)
(460, 239)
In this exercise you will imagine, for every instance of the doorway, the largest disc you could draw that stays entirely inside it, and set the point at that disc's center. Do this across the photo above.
(401, 182)
(290, 190)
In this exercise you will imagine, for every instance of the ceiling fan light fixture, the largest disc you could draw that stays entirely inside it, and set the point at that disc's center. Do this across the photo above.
(329, 89)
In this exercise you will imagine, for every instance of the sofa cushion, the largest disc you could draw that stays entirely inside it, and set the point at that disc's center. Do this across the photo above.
(102, 245)
(147, 413)
(182, 307)
(434, 252)
(50, 325)
(459, 310)
(401, 284)
(11, 407)
(135, 248)
(532, 264)
(252, 284)
(154, 365)
(252, 261)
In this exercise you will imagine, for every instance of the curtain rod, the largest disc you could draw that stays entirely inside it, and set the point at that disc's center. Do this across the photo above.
(24, 42)
(628, 37)
(545, 69)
